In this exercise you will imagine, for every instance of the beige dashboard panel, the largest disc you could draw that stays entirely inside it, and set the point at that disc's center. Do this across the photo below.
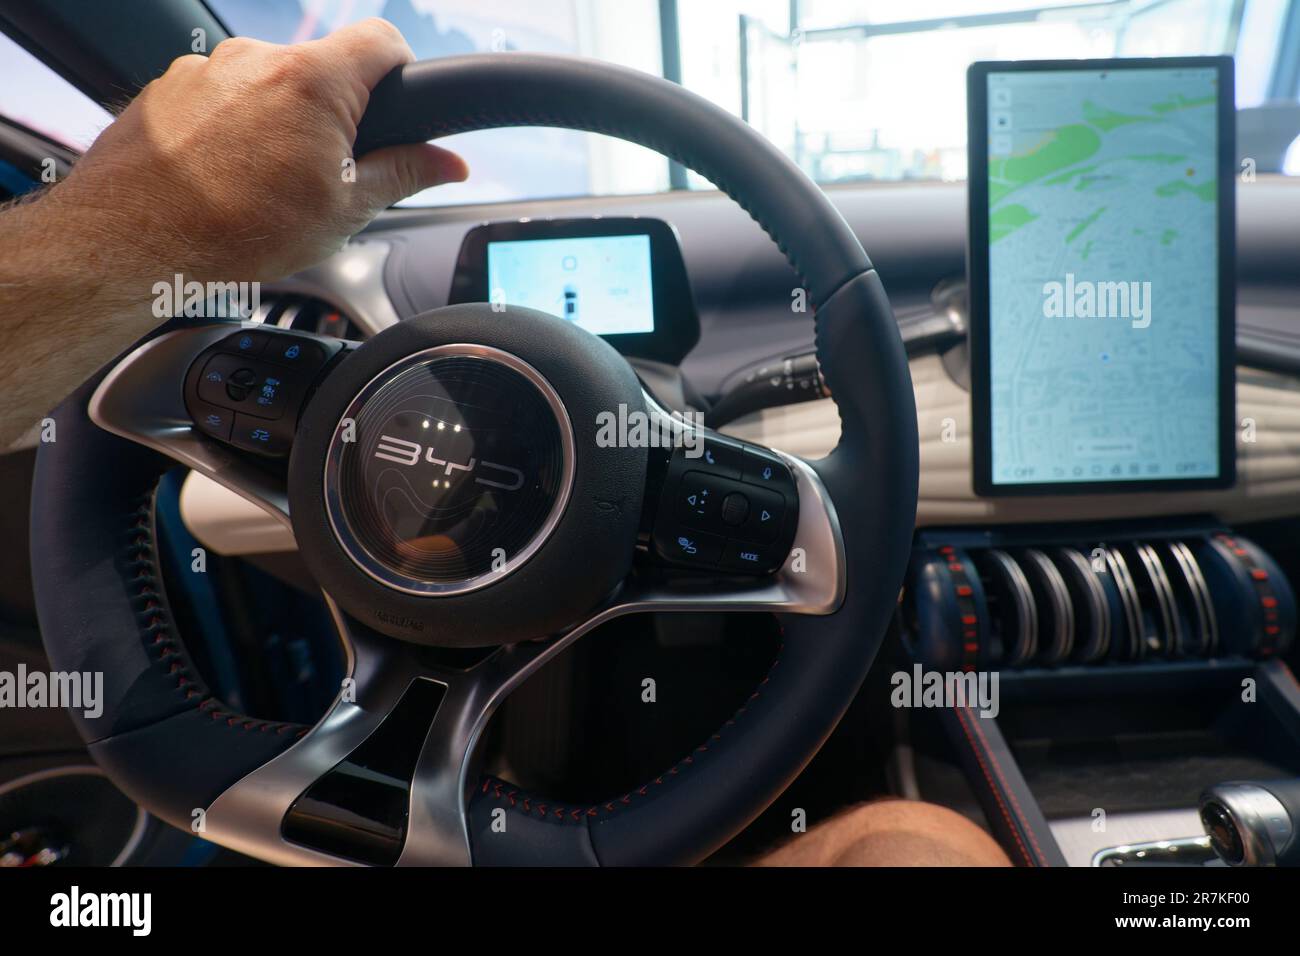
(226, 523)
(1268, 456)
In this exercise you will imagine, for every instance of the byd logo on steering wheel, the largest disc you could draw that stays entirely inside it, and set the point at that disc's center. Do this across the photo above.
(405, 452)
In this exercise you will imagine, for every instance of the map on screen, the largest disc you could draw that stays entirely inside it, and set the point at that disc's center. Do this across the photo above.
(1103, 275)
(601, 283)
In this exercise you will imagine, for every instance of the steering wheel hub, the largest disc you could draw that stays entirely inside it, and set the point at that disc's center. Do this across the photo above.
(444, 477)
(450, 469)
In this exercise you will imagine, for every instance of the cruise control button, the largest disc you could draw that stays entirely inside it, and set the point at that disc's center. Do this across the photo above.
(763, 522)
(747, 556)
(761, 468)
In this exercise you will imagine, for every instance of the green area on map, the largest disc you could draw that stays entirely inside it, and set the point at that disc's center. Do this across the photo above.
(1055, 161)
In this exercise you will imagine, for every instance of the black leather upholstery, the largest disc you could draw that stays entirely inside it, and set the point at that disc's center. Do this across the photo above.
(162, 737)
(1008, 803)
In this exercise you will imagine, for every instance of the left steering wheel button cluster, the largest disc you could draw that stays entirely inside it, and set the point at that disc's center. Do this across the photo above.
(249, 388)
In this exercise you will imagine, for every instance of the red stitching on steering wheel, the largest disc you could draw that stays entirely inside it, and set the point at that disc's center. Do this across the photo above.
(156, 630)
(520, 800)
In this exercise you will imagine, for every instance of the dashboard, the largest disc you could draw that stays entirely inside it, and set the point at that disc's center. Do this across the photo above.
(405, 262)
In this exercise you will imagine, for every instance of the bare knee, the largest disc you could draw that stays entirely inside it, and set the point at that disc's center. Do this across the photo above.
(892, 833)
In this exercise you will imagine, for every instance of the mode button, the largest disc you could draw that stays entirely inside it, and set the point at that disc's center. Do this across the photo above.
(748, 557)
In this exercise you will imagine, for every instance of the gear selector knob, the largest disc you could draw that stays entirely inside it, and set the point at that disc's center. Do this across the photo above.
(1254, 824)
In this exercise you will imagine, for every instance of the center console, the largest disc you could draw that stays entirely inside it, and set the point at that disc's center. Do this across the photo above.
(1136, 667)
(1120, 670)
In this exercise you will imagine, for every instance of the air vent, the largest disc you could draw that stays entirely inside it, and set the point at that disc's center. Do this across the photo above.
(1029, 604)
(306, 314)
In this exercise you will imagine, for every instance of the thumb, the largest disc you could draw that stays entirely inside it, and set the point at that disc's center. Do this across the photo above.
(395, 172)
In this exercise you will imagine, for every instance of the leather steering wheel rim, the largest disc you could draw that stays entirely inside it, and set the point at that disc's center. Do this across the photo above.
(175, 749)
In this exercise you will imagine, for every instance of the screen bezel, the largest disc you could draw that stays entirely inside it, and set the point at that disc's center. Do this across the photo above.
(676, 322)
(977, 276)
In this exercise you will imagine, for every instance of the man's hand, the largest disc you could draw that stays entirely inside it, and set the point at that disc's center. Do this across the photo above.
(237, 161)
(233, 167)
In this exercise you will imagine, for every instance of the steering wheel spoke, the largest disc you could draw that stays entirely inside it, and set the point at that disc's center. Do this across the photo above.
(380, 778)
(262, 814)
(385, 776)
(220, 398)
(735, 526)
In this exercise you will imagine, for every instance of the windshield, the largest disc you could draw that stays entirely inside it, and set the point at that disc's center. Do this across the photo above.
(852, 90)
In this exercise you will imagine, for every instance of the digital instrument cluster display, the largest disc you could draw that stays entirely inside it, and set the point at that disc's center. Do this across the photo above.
(620, 277)
(602, 283)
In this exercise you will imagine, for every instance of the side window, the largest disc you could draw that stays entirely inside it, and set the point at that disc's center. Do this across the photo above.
(35, 96)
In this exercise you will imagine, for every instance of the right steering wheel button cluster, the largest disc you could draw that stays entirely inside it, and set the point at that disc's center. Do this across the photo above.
(730, 506)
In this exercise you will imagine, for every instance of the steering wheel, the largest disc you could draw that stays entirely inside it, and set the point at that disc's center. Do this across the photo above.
(447, 488)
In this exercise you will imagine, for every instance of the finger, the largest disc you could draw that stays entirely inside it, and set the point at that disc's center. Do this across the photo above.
(369, 48)
(390, 174)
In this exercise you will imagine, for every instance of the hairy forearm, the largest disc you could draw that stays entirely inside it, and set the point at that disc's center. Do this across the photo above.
(74, 292)
(185, 182)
